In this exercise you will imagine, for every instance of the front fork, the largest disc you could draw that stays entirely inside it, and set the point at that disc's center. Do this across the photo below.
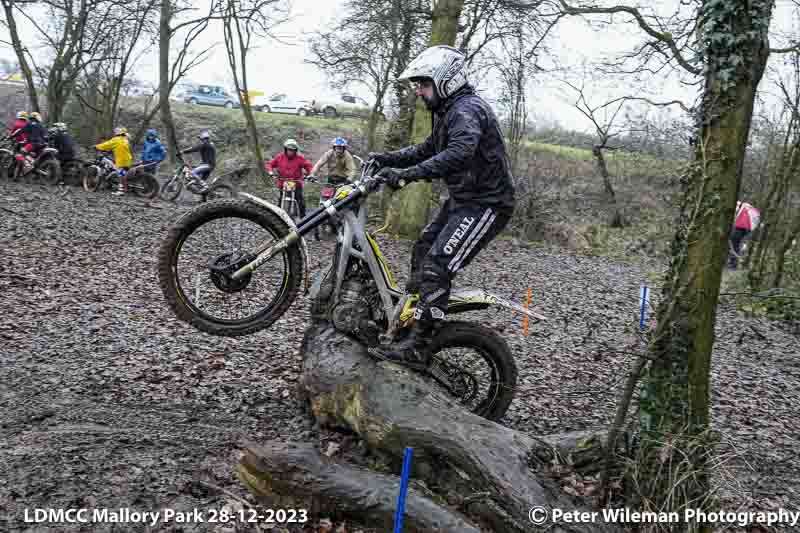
(312, 221)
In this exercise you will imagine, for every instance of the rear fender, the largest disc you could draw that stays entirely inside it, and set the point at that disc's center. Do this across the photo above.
(469, 299)
(286, 218)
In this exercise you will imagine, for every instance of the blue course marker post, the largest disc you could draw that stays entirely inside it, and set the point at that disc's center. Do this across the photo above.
(401, 498)
(643, 301)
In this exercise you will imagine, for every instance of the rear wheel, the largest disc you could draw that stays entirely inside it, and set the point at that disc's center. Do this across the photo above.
(49, 172)
(474, 364)
(172, 189)
(219, 191)
(6, 165)
(205, 247)
(143, 184)
(72, 171)
(92, 178)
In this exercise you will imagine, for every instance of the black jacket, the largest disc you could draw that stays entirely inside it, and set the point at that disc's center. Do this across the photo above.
(65, 145)
(466, 149)
(208, 154)
(35, 131)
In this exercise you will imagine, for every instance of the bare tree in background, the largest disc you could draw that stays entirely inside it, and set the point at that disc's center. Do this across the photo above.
(780, 223)
(101, 84)
(23, 54)
(605, 119)
(414, 31)
(520, 35)
(364, 48)
(178, 18)
(242, 20)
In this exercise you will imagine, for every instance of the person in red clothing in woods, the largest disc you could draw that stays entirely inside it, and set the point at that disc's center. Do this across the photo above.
(290, 166)
(745, 222)
(15, 131)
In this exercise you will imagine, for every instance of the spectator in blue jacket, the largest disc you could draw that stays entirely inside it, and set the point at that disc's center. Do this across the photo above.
(153, 151)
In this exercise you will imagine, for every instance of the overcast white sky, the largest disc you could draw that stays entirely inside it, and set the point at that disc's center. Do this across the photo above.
(279, 67)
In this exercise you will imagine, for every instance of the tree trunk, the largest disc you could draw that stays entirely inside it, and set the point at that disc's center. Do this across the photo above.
(674, 404)
(237, 45)
(616, 221)
(164, 87)
(148, 118)
(494, 475)
(791, 234)
(296, 476)
(372, 126)
(413, 202)
(19, 49)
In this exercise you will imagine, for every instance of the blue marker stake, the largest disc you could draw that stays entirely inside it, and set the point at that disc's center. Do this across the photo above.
(643, 300)
(401, 499)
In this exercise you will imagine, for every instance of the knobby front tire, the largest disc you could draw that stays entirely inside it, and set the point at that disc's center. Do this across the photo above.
(179, 300)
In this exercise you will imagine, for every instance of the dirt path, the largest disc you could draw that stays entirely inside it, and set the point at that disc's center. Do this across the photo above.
(106, 401)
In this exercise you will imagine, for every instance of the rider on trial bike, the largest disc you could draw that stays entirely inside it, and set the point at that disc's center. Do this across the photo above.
(466, 149)
(290, 166)
(208, 158)
(339, 165)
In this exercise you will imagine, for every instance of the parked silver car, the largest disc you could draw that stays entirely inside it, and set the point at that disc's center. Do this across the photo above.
(211, 95)
(282, 103)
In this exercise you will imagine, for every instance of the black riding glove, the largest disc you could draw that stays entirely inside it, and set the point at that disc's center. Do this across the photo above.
(393, 176)
(382, 159)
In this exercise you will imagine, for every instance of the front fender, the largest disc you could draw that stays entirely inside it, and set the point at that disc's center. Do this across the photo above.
(286, 218)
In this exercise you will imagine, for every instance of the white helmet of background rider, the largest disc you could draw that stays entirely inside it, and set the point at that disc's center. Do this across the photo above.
(444, 65)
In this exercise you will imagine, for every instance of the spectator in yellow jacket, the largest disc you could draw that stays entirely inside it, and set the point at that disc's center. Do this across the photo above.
(123, 159)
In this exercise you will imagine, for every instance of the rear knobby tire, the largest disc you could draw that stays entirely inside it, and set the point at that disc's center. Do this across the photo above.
(494, 348)
(72, 172)
(172, 195)
(6, 166)
(91, 178)
(146, 185)
(220, 191)
(185, 226)
(50, 172)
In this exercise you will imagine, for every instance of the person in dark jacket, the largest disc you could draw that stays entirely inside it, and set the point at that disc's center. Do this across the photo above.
(466, 149)
(61, 140)
(35, 133)
(153, 152)
(208, 156)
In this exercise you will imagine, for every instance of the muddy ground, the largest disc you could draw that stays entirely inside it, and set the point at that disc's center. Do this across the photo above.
(107, 401)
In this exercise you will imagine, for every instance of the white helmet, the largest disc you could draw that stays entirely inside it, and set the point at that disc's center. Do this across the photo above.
(442, 64)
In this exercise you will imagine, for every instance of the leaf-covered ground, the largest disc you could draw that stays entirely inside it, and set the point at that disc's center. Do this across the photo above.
(107, 401)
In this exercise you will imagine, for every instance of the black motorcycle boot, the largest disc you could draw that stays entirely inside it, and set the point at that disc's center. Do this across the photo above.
(413, 283)
(412, 350)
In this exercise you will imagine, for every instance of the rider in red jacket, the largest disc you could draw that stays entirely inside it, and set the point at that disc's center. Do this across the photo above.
(19, 123)
(290, 166)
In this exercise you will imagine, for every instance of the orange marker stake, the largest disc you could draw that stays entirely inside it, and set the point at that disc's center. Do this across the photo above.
(525, 318)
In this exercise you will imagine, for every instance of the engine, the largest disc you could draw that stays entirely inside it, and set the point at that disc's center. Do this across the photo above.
(358, 310)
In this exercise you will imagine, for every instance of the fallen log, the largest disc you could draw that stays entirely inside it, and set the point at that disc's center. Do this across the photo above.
(296, 476)
(491, 472)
